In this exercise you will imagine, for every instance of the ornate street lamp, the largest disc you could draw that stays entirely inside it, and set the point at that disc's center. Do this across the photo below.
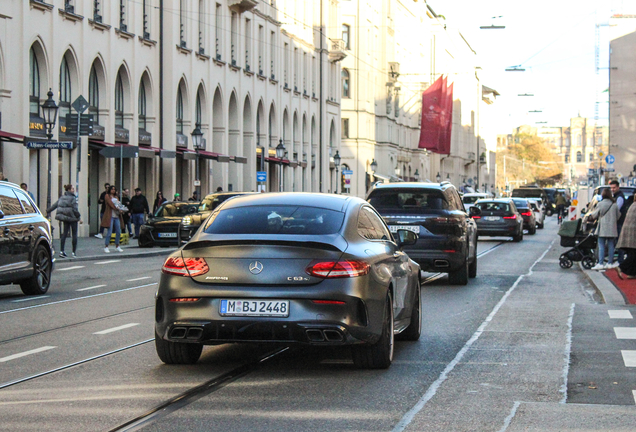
(438, 178)
(416, 175)
(197, 143)
(49, 113)
(336, 162)
(374, 165)
(280, 154)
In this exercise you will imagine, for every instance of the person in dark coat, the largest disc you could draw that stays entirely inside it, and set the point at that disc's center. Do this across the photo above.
(627, 243)
(69, 215)
(112, 220)
(125, 200)
(160, 199)
(138, 208)
(102, 202)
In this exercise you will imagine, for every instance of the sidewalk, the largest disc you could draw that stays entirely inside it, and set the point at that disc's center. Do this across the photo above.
(614, 290)
(91, 249)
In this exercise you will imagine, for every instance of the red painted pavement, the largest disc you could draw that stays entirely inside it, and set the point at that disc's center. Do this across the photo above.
(626, 286)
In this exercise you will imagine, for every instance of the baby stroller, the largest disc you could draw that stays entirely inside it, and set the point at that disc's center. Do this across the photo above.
(583, 245)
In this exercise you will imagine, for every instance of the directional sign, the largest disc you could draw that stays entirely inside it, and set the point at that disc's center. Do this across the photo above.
(610, 159)
(347, 172)
(261, 176)
(50, 145)
(86, 124)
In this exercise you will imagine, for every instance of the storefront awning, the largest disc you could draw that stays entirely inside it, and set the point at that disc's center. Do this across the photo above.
(11, 137)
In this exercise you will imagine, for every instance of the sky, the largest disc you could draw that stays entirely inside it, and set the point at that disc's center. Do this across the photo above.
(553, 40)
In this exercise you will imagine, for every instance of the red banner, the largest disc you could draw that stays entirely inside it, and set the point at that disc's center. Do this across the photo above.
(431, 127)
(445, 136)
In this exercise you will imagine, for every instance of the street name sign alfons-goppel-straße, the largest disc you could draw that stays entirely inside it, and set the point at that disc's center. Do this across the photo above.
(50, 145)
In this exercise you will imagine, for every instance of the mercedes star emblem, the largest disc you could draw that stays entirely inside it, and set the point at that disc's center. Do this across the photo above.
(256, 267)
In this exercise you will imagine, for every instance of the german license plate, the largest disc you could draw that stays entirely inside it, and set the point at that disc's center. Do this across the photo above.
(414, 228)
(256, 308)
(167, 235)
(492, 218)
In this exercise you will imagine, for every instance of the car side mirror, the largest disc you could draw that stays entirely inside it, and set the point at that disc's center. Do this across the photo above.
(406, 238)
(1, 214)
(474, 211)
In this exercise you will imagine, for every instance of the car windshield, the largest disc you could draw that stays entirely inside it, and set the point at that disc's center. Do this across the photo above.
(275, 220)
(521, 203)
(536, 193)
(407, 201)
(493, 206)
(176, 209)
(470, 199)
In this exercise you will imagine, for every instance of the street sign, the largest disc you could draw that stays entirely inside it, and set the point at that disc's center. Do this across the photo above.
(610, 159)
(347, 172)
(197, 183)
(261, 176)
(86, 124)
(50, 145)
(601, 154)
(80, 104)
(591, 172)
(619, 175)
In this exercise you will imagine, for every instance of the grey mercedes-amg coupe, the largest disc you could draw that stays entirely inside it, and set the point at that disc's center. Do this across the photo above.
(318, 269)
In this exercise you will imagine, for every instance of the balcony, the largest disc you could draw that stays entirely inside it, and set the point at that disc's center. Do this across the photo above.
(240, 6)
(337, 51)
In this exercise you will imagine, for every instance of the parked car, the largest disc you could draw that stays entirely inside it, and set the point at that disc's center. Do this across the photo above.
(499, 217)
(539, 211)
(529, 221)
(316, 269)
(447, 235)
(471, 198)
(162, 227)
(26, 247)
(190, 223)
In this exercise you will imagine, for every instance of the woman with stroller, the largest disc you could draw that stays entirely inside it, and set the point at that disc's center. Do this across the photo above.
(627, 242)
(607, 214)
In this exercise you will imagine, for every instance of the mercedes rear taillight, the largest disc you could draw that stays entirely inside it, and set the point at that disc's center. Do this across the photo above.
(337, 269)
(185, 267)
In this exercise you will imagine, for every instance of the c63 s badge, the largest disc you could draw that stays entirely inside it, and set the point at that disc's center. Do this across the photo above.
(298, 278)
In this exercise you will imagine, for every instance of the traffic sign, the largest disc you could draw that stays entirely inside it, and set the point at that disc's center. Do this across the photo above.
(601, 154)
(610, 159)
(261, 176)
(197, 183)
(347, 172)
(86, 124)
(50, 145)
(80, 104)
(619, 175)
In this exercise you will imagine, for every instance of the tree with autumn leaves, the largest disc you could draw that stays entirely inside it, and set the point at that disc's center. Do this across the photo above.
(528, 161)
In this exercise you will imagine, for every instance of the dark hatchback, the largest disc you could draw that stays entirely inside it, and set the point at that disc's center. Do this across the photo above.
(161, 228)
(529, 221)
(447, 235)
(26, 248)
(191, 223)
(316, 269)
(499, 217)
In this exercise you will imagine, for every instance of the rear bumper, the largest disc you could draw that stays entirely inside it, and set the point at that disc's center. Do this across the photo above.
(438, 260)
(149, 237)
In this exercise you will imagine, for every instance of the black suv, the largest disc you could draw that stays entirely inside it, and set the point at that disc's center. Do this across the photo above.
(26, 249)
(447, 235)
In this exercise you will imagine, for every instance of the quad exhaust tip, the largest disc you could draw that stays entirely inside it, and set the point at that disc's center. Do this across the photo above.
(326, 335)
(191, 333)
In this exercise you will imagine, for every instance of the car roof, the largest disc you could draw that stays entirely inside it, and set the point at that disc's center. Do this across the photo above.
(469, 194)
(414, 185)
(216, 194)
(501, 200)
(334, 202)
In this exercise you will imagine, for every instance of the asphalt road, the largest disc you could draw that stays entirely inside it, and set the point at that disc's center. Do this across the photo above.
(524, 337)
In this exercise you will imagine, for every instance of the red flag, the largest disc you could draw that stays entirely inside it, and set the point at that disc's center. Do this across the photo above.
(445, 141)
(431, 126)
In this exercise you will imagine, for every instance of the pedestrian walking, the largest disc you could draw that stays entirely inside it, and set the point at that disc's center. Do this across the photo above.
(102, 202)
(125, 200)
(25, 188)
(194, 197)
(138, 209)
(177, 197)
(607, 215)
(68, 214)
(627, 243)
(112, 219)
(158, 201)
(219, 189)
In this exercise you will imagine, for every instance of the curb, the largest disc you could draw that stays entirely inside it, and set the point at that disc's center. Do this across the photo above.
(606, 289)
(168, 251)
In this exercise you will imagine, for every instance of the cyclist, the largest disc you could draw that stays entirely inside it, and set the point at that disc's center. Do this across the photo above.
(560, 205)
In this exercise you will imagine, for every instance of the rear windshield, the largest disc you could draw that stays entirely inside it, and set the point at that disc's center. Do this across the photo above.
(275, 220)
(407, 201)
(471, 199)
(521, 203)
(535, 193)
(493, 206)
(209, 203)
(176, 209)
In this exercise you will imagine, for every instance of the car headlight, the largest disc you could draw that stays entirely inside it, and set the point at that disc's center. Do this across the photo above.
(187, 220)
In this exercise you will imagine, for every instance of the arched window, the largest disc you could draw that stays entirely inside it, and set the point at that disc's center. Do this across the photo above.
(198, 114)
(579, 156)
(142, 106)
(119, 102)
(179, 111)
(93, 95)
(34, 84)
(65, 89)
(345, 83)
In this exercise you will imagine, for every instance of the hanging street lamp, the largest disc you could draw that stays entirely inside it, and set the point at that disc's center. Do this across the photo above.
(197, 143)
(336, 162)
(49, 113)
(280, 154)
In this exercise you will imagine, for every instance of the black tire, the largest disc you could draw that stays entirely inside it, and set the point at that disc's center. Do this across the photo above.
(517, 238)
(459, 277)
(540, 226)
(532, 230)
(565, 262)
(414, 330)
(380, 354)
(39, 283)
(472, 268)
(177, 352)
(588, 262)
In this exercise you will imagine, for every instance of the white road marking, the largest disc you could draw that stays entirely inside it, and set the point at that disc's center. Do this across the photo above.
(26, 353)
(114, 329)
(625, 332)
(107, 262)
(139, 278)
(567, 356)
(629, 358)
(29, 299)
(69, 268)
(90, 288)
(620, 314)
